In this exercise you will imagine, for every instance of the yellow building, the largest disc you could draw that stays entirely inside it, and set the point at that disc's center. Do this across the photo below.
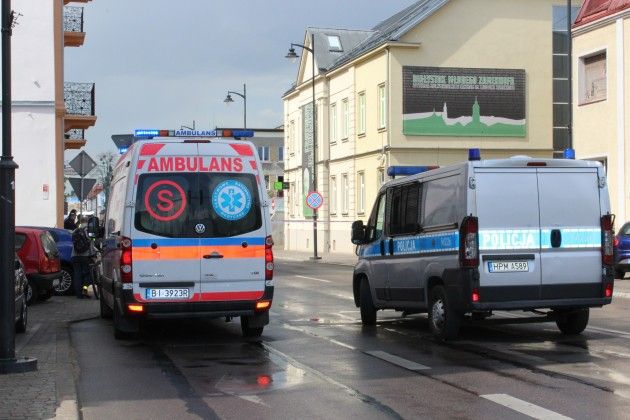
(420, 88)
(601, 110)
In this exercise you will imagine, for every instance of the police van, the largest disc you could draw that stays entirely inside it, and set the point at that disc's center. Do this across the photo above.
(187, 232)
(485, 235)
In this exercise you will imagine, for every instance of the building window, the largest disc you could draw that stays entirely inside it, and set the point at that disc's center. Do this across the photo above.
(345, 194)
(362, 113)
(560, 57)
(334, 43)
(361, 192)
(382, 106)
(280, 154)
(333, 123)
(592, 74)
(291, 137)
(333, 195)
(267, 186)
(263, 153)
(345, 124)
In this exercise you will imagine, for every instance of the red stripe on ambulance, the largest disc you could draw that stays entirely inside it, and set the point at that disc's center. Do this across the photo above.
(151, 149)
(141, 164)
(242, 149)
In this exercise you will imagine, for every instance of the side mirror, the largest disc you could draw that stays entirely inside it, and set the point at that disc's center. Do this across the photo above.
(93, 227)
(358, 232)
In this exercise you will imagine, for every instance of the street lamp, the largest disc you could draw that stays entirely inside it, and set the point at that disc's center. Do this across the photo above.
(293, 56)
(228, 100)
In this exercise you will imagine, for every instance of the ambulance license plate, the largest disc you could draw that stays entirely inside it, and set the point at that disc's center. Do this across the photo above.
(507, 266)
(179, 293)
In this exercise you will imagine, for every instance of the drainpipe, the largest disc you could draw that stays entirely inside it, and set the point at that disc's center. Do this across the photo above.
(621, 128)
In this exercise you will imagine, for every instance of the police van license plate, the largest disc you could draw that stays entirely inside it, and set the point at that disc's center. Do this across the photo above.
(507, 266)
(179, 293)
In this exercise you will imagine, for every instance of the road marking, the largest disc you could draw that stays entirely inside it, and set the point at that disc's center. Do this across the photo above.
(623, 295)
(313, 278)
(623, 334)
(524, 407)
(398, 361)
(313, 334)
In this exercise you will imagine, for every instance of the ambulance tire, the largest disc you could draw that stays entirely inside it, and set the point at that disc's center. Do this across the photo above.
(250, 332)
(444, 322)
(572, 322)
(366, 304)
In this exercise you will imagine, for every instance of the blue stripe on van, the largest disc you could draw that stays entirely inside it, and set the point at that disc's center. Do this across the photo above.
(513, 239)
(418, 244)
(197, 241)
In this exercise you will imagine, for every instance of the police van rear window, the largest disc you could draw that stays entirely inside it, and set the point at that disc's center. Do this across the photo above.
(188, 205)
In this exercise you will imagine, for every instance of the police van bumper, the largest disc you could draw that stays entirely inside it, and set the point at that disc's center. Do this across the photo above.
(178, 310)
(466, 295)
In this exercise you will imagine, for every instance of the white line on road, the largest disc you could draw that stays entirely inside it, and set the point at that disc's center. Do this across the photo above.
(313, 278)
(524, 407)
(623, 295)
(311, 333)
(398, 361)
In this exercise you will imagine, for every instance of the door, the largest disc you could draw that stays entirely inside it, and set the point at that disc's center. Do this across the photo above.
(570, 232)
(509, 234)
(374, 250)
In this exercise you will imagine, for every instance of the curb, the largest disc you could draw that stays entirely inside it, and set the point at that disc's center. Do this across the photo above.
(322, 261)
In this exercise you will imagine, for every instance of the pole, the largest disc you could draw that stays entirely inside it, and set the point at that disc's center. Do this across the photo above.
(315, 257)
(244, 106)
(570, 76)
(8, 362)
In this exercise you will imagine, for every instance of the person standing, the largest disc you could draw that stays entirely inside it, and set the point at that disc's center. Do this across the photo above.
(70, 222)
(82, 253)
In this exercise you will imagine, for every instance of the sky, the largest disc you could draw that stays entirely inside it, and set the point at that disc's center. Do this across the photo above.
(163, 64)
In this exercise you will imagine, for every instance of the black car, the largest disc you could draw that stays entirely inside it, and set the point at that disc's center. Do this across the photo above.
(21, 285)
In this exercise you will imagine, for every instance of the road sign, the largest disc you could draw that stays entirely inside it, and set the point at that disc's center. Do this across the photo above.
(82, 164)
(314, 200)
(82, 193)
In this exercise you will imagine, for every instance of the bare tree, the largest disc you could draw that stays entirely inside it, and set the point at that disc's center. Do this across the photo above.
(105, 168)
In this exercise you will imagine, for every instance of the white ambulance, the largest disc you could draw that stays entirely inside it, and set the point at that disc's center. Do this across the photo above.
(187, 232)
(485, 235)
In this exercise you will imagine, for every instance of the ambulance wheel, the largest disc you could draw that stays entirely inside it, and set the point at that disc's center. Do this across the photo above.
(106, 311)
(572, 322)
(366, 304)
(443, 320)
(250, 332)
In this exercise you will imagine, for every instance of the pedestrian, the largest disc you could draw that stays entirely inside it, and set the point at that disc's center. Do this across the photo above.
(83, 251)
(70, 222)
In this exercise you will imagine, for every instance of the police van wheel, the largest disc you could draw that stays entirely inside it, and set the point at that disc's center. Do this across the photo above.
(443, 320)
(572, 322)
(366, 304)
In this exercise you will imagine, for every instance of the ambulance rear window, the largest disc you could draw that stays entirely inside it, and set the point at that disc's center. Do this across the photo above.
(188, 205)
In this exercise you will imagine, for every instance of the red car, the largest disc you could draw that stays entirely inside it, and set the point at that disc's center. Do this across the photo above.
(40, 256)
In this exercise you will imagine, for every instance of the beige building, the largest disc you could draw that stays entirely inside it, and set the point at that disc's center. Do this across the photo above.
(420, 88)
(601, 110)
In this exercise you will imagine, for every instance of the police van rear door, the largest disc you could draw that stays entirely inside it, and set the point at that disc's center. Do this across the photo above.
(570, 232)
(232, 223)
(509, 226)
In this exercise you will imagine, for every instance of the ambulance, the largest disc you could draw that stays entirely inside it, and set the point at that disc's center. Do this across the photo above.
(187, 232)
(520, 234)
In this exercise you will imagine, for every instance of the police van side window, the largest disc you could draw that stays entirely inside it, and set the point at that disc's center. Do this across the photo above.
(377, 219)
(440, 198)
(404, 214)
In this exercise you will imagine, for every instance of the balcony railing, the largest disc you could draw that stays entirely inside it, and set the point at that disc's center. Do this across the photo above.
(73, 19)
(79, 98)
(75, 134)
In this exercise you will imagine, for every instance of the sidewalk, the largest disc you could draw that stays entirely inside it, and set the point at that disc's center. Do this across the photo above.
(50, 391)
(337, 258)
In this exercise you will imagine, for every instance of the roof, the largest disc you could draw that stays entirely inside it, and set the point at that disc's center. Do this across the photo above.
(593, 10)
(326, 55)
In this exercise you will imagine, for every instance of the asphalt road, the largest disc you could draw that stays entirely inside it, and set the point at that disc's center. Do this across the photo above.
(316, 360)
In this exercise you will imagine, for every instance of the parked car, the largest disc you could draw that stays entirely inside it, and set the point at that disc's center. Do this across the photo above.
(63, 239)
(21, 285)
(622, 251)
(40, 256)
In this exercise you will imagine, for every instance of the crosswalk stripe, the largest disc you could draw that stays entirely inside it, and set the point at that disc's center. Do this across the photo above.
(524, 407)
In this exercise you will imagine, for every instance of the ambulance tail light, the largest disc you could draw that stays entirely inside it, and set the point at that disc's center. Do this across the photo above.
(474, 296)
(608, 290)
(268, 258)
(608, 235)
(126, 261)
(469, 243)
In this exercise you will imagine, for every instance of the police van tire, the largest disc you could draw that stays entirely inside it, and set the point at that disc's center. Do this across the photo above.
(366, 304)
(443, 320)
(572, 322)
(106, 311)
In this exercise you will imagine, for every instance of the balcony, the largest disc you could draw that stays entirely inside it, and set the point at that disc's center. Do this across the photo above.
(79, 101)
(73, 35)
(74, 139)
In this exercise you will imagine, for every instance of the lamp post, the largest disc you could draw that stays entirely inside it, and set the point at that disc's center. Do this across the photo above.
(8, 362)
(292, 55)
(228, 100)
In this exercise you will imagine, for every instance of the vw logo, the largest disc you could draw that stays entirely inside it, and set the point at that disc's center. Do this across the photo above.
(200, 228)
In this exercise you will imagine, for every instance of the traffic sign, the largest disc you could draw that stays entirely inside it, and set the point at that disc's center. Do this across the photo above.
(314, 200)
(82, 164)
(82, 186)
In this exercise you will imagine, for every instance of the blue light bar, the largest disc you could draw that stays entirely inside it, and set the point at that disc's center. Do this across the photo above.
(147, 133)
(408, 170)
(474, 154)
(123, 150)
(242, 133)
(569, 154)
